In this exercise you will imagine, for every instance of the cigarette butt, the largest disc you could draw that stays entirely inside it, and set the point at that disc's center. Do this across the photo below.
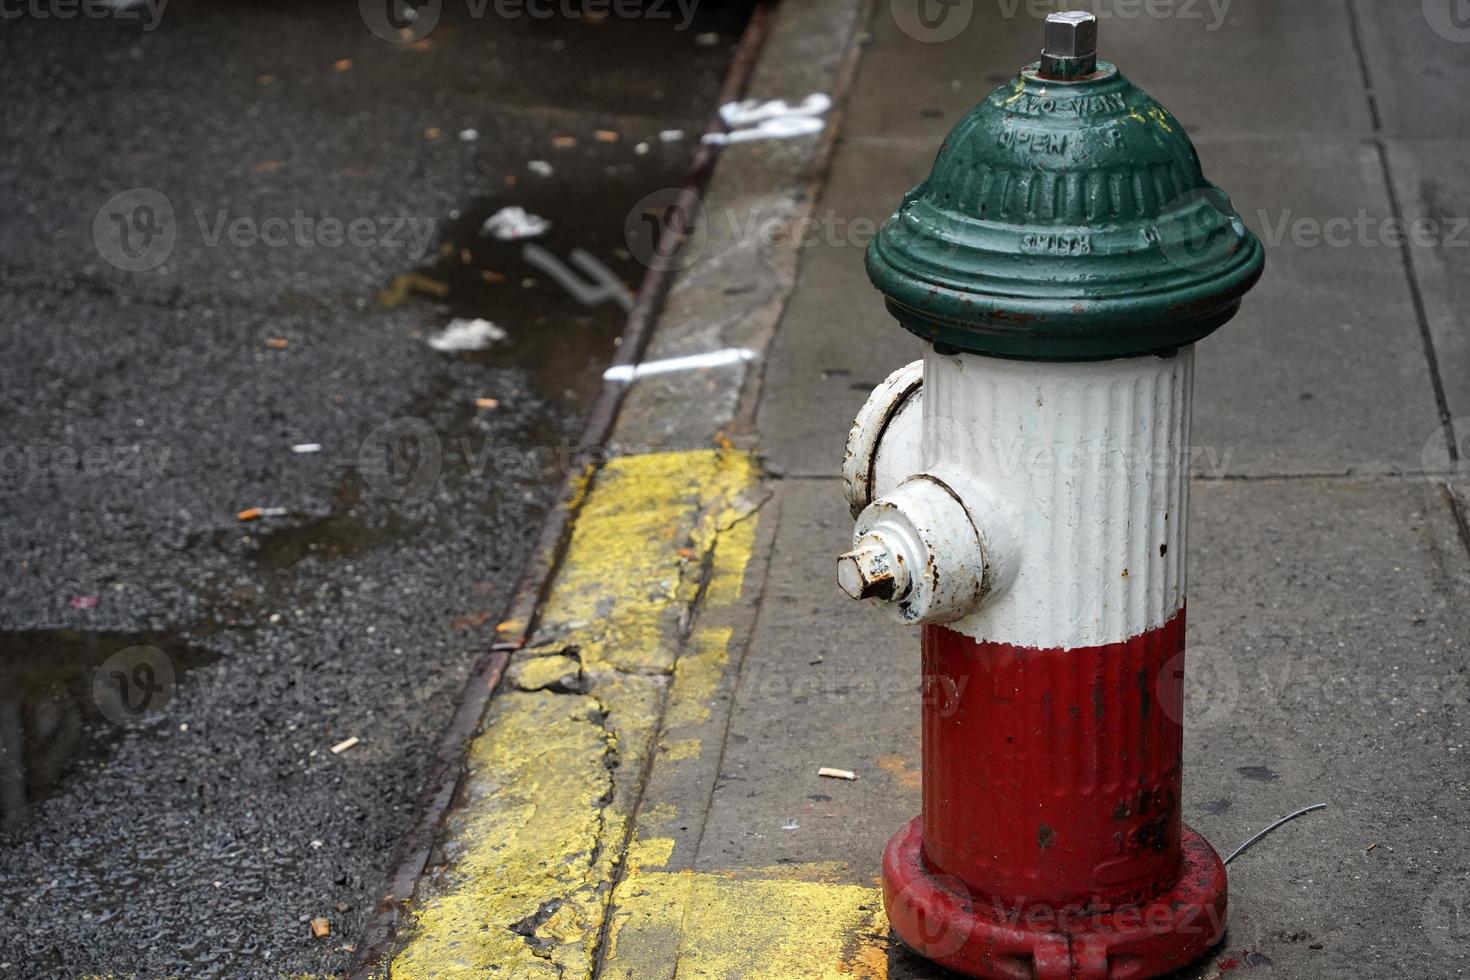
(433, 132)
(487, 403)
(248, 514)
(489, 275)
(342, 64)
(277, 343)
(606, 136)
(348, 743)
(837, 773)
(563, 142)
(307, 447)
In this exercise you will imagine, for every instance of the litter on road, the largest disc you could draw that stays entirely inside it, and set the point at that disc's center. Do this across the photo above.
(539, 167)
(513, 223)
(830, 773)
(469, 135)
(320, 927)
(277, 343)
(345, 744)
(461, 335)
(772, 119)
(307, 447)
(487, 403)
(255, 513)
(719, 358)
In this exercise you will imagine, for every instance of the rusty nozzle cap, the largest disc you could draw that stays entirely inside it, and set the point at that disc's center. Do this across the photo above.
(1071, 45)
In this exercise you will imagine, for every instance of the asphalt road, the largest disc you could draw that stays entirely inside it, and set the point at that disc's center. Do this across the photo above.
(207, 217)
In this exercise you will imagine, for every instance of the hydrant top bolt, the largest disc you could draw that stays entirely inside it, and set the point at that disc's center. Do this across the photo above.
(867, 573)
(1071, 45)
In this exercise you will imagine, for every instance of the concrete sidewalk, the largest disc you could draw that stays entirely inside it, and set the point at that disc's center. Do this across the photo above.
(644, 800)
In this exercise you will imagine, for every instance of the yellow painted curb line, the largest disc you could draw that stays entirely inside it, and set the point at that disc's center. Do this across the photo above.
(551, 783)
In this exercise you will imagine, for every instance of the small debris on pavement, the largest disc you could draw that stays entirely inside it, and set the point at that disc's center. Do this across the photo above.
(513, 223)
(307, 447)
(606, 136)
(255, 513)
(671, 135)
(277, 343)
(403, 285)
(564, 142)
(317, 844)
(830, 773)
(463, 334)
(469, 135)
(791, 825)
(640, 148)
(342, 64)
(345, 744)
(540, 168)
(487, 403)
(1370, 848)
(707, 40)
(84, 602)
(320, 927)
(433, 132)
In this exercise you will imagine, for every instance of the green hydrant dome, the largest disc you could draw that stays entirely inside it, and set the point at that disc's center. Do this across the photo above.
(1065, 220)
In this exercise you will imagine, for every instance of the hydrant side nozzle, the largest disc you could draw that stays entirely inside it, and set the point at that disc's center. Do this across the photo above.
(924, 536)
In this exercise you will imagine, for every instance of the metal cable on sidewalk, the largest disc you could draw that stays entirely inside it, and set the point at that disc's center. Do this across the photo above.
(1286, 819)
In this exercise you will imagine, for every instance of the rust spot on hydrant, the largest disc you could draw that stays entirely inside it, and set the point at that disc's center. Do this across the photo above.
(1045, 836)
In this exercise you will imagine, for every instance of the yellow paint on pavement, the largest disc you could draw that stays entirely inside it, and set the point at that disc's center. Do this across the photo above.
(552, 781)
(752, 926)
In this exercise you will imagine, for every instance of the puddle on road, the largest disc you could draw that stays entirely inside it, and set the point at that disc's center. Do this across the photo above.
(561, 334)
(67, 695)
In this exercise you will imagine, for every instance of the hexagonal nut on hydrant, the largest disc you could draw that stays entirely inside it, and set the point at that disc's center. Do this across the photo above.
(872, 571)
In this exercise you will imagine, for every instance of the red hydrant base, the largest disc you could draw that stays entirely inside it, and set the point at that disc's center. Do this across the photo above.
(938, 918)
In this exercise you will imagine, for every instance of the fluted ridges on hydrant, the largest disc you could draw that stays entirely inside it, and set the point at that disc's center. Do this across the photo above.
(1094, 459)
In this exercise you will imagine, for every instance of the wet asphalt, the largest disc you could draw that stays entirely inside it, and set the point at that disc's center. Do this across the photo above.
(227, 230)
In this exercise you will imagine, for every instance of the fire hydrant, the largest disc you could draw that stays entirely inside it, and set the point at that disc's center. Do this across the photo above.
(1022, 494)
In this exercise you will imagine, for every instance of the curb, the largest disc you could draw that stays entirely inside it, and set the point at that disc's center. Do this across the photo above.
(560, 694)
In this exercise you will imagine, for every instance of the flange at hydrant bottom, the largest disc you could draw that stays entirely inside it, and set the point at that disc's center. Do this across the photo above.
(1022, 495)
